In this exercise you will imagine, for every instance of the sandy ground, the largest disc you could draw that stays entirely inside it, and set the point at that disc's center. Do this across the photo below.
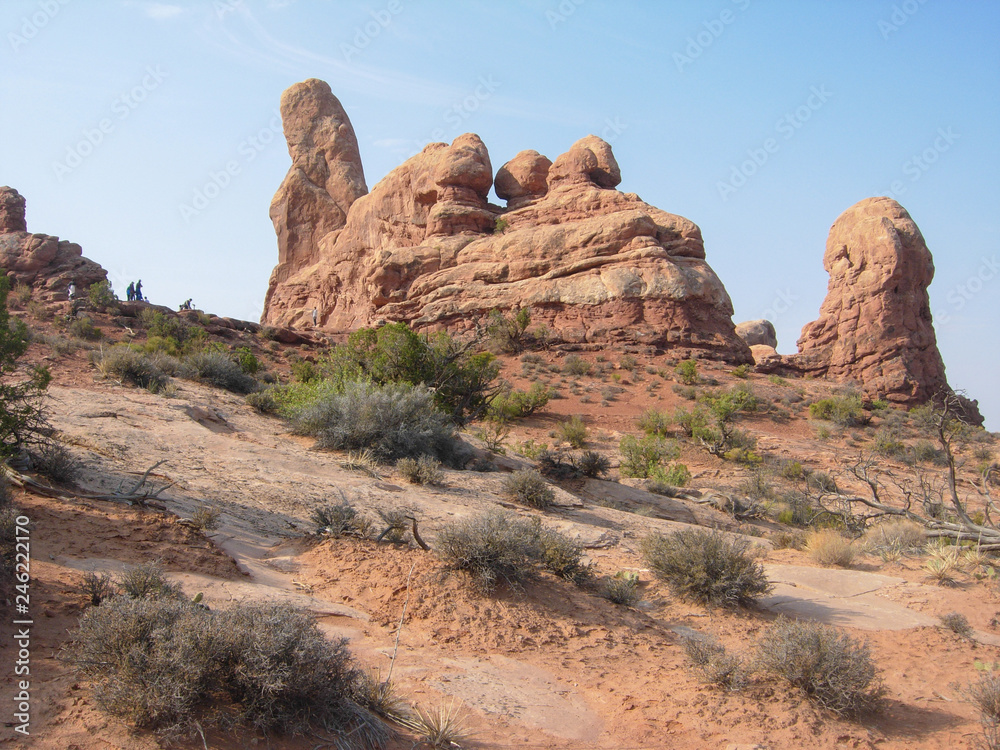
(552, 666)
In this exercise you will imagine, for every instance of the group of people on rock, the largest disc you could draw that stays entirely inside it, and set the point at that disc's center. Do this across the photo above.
(134, 291)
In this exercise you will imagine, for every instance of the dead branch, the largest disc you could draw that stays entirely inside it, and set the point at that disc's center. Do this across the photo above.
(136, 495)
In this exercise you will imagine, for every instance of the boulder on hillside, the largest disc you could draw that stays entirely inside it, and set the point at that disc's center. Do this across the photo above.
(758, 333)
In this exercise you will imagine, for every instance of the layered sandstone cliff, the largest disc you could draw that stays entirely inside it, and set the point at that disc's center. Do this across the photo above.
(425, 246)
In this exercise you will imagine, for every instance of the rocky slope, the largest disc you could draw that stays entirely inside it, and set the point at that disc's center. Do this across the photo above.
(425, 246)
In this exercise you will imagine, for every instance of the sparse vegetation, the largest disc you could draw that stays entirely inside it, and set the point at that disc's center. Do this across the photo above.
(845, 411)
(642, 456)
(206, 519)
(102, 297)
(574, 432)
(687, 372)
(219, 369)
(831, 667)
(717, 666)
(83, 328)
(593, 464)
(577, 366)
(422, 470)
(21, 415)
(147, 581)
(984, 694)
(707, 566)
(508, 333)
(958, 624)
(829, 547)
(528, 487)
(127, 365)
(340, 519)
(622, 588)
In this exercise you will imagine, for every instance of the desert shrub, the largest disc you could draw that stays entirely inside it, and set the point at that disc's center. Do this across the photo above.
(692, 422)
(576, 365)
(21, 414)
(460, 378)
(820, 480)
(757, 485)
(562, 556)
(246, 359)
(675, 475)
(788, 540)
(127, 365)
(943, 563)
(219, 370)
(508, 333)
(493, 547)
(893, 539)
(264, 401)
(304, 371)
(171, 666)
(21, 295)
(529, 488)
(102, 297)
(687, 372)
(654, 422)
(717, 666)
(339, 519)
(622, 588)
(845, 411)
(592, 464)
(574, 431)
(707, 566)
(513, 404)
(741, 371)
(792, 470)
(829, 547)
(97, 587)
(8, 541)
(168, 327)
(422, 470)
(887, 443)
(831, 667)
(984, 694)
(640, 456)
(395, 420)
(53, 460)
(924, 451)
(957, 623)
(206, 519)
(147, 581)
(83, 328)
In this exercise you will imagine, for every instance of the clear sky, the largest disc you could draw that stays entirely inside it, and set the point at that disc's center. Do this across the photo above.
(760, 120)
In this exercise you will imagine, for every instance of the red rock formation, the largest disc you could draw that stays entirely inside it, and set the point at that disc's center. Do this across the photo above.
(426, 247)
(46, 263)
(875, 325)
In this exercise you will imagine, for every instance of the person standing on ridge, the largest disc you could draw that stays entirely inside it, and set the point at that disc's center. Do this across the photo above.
(138, 291)
(130, 291)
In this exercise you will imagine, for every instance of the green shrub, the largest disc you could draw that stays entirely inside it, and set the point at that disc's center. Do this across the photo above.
(676, 475)
(393, 420)
(147, 581)
(508, 333)
(245, 358)
(622, 588)
(707, 566)
(221, 371)
(512, 404)
(493, 547)
(529, 488)
(21, 412)
(422, 470)
(887, 443)
(654, 422)
(592, 464)
(172, 666)
(339, 519)
(562, 556)
(264, 401)
(640, 456)
(127, 365)
(102, 297)
(831, 667)
(687, 372)
(53, 460)
(574, 431)
(83, 328)
(575, 365)
(628, 362)
(985, 696)
(792, 470)
(845, 411)
(741, 372)
(692, 422)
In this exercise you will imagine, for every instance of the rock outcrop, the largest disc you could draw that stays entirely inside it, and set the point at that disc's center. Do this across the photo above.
(875, 326)
(758, 333)
(46, 263)
(426, 247)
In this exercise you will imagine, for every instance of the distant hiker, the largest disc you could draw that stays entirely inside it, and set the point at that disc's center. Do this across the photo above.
(138, 291)
(130, 291)
(186, 305)
(315, 317)
(71, 292)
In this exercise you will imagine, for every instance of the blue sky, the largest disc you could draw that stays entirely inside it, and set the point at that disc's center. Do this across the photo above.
(761, 121)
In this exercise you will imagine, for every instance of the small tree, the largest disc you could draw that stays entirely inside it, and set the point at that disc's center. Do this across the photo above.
(21, 416)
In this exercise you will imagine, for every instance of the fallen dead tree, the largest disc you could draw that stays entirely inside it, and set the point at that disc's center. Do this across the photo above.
(139, 493)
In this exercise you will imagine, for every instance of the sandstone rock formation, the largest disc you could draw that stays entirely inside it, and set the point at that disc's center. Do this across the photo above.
(875, 325)
(425, 246)
(46, 263)
(758, 333)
